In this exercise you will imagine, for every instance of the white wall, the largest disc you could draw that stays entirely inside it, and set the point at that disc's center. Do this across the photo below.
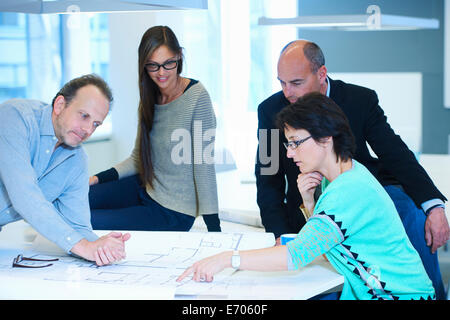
(400, 96)
(102, 155)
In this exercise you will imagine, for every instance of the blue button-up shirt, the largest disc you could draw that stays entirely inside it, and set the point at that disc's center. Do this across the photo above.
(45, 186)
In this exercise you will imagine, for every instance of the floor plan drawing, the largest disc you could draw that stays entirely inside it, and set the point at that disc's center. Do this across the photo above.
(154, 261)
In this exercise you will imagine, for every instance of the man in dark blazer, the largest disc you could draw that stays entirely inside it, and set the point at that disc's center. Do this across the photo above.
(301, 69)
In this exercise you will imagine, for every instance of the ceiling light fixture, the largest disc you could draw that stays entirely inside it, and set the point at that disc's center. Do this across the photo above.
(373, 20)
(74, 6)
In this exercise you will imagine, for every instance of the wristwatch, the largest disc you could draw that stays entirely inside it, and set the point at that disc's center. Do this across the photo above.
(236, 260)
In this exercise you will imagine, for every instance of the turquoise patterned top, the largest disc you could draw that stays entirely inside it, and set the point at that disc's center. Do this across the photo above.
(356, 225)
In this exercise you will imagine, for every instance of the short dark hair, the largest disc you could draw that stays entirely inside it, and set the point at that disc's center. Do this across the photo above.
(69, 90)
(321, 117)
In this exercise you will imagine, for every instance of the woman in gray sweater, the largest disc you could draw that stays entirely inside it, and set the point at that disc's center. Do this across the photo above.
(169, 178)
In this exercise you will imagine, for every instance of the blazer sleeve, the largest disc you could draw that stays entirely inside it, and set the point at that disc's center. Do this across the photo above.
(270, 180)
(395, 156)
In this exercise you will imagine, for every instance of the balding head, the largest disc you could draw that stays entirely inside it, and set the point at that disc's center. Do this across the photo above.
(305, 49)
(301, 69)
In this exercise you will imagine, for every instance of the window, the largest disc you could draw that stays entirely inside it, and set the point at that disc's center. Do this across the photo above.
(99, 39)
(39, 53)
(85, 50)
(14, 59)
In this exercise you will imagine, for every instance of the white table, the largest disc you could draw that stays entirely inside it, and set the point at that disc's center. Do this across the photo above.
(316, 278)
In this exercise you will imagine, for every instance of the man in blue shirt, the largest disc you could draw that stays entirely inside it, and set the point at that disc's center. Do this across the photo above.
(43, 169)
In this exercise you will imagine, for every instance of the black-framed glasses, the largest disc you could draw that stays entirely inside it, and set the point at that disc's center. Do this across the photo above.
(168, 65)
(21, 262)
(294, 144)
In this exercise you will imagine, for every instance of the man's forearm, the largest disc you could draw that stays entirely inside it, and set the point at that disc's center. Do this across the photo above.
(83, 249)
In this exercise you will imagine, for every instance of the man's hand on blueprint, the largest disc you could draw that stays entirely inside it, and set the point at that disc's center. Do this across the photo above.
(105, 250)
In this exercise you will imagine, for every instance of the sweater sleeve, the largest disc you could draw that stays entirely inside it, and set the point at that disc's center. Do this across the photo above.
(315, 239)
(204, 131)
(107, 175)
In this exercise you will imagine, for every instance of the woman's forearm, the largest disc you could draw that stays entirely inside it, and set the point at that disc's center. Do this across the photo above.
(267, 259)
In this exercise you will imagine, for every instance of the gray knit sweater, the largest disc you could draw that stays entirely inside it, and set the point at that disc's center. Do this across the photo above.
(182, 140)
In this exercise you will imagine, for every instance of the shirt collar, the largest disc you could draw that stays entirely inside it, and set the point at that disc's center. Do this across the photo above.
(328, 87)
(46, 123)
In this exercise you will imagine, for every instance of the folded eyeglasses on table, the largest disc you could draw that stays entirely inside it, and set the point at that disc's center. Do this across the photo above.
(21, 262)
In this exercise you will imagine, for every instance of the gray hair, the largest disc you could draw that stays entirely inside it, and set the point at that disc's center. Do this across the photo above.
(314, 55)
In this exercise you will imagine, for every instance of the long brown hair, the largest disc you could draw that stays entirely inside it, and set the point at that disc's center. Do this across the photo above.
(152, 39)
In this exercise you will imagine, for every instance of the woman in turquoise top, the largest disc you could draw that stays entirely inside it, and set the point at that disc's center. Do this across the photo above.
(354, 222)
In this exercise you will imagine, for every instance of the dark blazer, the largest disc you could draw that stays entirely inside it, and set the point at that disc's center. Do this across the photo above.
(396, 164)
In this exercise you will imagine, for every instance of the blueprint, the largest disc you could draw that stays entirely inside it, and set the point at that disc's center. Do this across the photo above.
(154, 261)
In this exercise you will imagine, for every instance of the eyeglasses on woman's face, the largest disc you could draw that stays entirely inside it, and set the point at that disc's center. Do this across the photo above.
(168, 65)
(294, 144)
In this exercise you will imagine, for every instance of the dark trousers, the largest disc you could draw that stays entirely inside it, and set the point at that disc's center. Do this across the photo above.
(125, 205)
(413, 220)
